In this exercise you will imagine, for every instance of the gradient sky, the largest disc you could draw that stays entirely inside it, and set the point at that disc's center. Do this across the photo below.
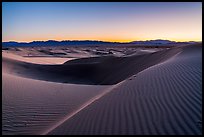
(107, 21)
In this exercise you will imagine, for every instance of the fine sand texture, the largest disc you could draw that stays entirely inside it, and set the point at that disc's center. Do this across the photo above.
(31, 106)
(165, 99)
(156, 93)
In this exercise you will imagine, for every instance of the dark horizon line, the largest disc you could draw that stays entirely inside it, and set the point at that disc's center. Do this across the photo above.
(99, 41)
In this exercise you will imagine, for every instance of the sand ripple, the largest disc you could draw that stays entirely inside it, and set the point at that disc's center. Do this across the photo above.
(163, 99)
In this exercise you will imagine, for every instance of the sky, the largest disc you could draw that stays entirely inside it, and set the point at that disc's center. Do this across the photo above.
(105, 21)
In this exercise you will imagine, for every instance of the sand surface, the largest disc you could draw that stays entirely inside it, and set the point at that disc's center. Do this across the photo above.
(36, 60)
(159, 92)
(163, 99)
(31, 106)
(103, 70)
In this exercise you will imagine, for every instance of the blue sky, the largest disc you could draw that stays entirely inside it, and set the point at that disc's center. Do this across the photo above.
(109, 21)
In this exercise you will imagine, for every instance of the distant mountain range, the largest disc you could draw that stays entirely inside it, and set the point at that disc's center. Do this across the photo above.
(158, 42)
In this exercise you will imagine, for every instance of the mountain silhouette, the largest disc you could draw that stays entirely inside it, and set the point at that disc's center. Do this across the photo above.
(89, 43)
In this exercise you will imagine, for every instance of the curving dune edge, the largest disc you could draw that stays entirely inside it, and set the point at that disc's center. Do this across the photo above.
(157, 93)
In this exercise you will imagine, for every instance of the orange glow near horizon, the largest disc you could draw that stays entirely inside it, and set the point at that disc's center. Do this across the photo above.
(108, 40)
(114, 22)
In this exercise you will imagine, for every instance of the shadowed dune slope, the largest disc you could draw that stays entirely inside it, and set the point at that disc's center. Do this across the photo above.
(163, 99)
(106, 70)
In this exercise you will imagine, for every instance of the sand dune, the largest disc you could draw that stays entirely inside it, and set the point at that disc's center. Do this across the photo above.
(107, 70)
(163, 99)
(31, 106)
(154, 93)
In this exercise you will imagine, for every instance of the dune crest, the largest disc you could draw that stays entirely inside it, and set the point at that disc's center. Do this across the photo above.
(154, 93)
(106, 70)
(165, 99)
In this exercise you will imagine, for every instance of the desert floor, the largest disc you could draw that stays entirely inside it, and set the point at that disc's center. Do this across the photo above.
(102, 90)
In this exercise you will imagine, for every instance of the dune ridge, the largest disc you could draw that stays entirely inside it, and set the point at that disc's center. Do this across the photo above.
(106, 70)
(22, 108)
(165, 99)
(154, 93)
(89, 102)
(31, 106)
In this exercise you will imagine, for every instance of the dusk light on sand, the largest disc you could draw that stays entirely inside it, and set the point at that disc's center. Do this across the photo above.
(102, 68)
